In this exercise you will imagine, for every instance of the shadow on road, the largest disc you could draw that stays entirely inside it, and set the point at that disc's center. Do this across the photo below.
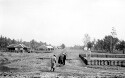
(7, 69)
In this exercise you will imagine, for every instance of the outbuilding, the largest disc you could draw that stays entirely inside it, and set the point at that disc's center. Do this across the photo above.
(46, 47)
(50, 48)
(18, 48)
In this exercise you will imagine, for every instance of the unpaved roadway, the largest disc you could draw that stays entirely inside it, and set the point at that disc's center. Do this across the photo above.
(37, 65)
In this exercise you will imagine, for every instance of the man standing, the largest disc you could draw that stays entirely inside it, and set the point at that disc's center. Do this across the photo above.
(64, 58)
(53, 63)
(60, 60)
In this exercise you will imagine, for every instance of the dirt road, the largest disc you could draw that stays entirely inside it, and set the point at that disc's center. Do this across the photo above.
(37, 65)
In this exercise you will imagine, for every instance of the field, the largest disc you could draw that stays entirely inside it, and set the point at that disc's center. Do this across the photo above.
(37, 65)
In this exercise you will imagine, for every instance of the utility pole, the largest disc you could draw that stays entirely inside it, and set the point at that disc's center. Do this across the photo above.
(113, 34)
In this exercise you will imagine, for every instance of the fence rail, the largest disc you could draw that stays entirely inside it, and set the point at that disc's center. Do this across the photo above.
(105, 55)
(104, 59)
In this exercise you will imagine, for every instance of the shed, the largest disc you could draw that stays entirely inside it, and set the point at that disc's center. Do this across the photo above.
(18, 47)
(50, 48)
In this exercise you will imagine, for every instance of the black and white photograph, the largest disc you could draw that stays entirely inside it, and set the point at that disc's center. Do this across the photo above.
(62, 38)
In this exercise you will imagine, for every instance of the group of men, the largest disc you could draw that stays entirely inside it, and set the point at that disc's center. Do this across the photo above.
(61, 61)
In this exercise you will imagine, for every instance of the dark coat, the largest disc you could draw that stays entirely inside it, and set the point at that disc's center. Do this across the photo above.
(60, 60)
(64, 59)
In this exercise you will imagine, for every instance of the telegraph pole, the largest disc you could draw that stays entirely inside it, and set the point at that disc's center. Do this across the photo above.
(113, 34)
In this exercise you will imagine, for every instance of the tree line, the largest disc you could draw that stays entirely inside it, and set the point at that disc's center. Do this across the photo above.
(108, 44)
(33, 44)
(4, 42)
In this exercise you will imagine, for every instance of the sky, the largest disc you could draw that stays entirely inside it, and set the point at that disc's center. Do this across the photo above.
(61, 21)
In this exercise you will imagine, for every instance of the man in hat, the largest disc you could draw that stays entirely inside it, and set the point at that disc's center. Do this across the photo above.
(53, 63)
(64, 58)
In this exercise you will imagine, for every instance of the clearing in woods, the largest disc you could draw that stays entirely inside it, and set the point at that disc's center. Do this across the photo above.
(37, 65)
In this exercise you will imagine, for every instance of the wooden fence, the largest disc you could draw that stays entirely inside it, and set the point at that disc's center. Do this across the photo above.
(104, 59)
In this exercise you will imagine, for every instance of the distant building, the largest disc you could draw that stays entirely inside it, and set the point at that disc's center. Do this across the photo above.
(50, 48)
(44, 47)
(18, 48)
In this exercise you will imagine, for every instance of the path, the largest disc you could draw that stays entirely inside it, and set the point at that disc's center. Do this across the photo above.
(37, 65)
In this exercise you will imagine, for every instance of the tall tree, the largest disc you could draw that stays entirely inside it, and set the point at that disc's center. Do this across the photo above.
(110, 42)
(99, 45)
(63, 46)
(121, 46)
(113, 34)
(13, 41)
(89, 45)
(86, 39)
(33, 44)
(106, 44)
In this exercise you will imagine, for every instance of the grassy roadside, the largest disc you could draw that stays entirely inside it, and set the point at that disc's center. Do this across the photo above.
(33, 65)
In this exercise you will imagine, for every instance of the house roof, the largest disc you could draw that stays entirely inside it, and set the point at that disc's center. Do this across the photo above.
(17, 46)
(49, 46)
(44, 47)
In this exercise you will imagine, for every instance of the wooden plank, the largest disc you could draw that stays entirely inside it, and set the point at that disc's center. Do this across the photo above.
(95, 58)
